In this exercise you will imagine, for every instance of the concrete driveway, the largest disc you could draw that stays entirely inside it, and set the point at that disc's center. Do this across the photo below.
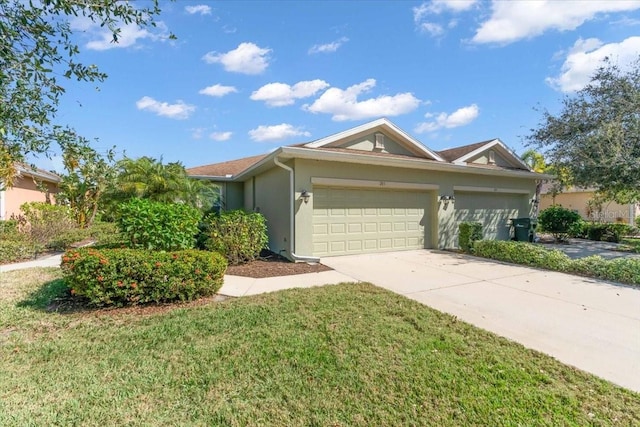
(590, 324)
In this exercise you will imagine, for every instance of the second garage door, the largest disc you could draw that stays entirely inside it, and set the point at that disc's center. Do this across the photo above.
(492, 210)
(353, 220)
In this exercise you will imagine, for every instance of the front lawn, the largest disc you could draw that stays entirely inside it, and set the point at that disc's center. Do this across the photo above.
(351, 354)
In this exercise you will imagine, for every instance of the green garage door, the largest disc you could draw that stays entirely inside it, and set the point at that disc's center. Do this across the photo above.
(492, 210)
(353, 221)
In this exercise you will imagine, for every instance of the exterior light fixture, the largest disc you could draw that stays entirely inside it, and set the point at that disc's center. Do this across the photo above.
(535, 201)
(446, 198)
(304, 195)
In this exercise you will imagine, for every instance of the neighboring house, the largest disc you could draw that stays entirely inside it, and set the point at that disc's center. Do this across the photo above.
(375, 188)
(578, 199)
(29, 185)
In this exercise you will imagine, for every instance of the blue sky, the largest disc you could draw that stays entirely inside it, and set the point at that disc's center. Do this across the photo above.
(243, 78)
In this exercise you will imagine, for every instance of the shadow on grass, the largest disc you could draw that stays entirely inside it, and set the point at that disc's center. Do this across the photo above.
(54, 296)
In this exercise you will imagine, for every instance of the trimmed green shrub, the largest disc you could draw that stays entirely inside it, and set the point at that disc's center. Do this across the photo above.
(468, 232)
(606, 231)
(16, 250)
(622, 270)
(133, 276)
(8, 227)
(558, 221)
(638, 221)
(158, 226)
(46, 222)
(238, 235)
(522, 253)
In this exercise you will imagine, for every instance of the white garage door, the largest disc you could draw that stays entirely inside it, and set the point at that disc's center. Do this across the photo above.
(492, 210)
(352, 221)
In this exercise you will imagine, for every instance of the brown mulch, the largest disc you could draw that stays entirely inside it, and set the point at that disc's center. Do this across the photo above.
(271, 265)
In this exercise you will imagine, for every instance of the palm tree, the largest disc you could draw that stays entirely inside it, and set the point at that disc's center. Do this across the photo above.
(148, 178)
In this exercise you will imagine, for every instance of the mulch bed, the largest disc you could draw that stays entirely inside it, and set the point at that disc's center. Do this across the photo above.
(271, 265)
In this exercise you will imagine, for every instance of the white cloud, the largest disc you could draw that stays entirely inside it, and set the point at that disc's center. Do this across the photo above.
(281, 94)
(129, 36)
(276, 132)
(587, 55)
(217, 90)
(247, 58)
(180, 110)
(423, 13)
(515, 20)
(221, 136)
(344, 104)
(432, 28)
(461, 117)
(202, 9)
(328, 47)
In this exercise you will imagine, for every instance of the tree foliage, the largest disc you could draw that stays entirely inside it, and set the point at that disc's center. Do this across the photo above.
(595, 138)
(37, 55)
(88, 175)
(151, 179)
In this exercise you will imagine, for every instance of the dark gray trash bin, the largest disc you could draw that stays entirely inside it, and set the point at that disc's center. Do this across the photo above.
(523, 229)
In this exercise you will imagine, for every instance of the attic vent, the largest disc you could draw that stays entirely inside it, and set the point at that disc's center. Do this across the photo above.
(492, 157)
(379, 144)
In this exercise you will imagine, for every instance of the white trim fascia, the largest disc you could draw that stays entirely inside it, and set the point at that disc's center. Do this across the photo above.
(488, 145)
(365, 183)
(470, 188)
(370, 126)
(417, 163)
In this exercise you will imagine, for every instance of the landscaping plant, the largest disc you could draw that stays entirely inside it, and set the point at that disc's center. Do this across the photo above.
(558, 221)
(132, 276)
(158, 226)
(469, 232)
(238, 235)
(622, 270)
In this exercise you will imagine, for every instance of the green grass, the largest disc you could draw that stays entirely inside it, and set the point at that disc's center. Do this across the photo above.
(351, 354)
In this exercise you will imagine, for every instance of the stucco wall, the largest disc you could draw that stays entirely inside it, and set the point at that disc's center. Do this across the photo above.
(367, 143)
(233, 196)
(577, 201)
(443, 223)
(25, 190)
(272, 199)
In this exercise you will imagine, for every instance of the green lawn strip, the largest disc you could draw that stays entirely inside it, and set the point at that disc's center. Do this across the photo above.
(351, 354)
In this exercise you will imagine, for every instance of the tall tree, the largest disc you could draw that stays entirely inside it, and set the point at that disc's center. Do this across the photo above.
(88, 175)
(37, 54)
(596, 136)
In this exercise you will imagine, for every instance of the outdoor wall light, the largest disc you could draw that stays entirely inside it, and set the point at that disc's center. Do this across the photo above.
(304, 195)
(446, 198)
(535, 201)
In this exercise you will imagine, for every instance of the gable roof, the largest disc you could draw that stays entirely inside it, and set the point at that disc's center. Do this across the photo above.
(452, 154)
(226, 169)
(330, 149)
(460, 155)
(382, 124)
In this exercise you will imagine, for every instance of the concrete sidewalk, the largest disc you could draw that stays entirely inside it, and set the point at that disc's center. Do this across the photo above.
(590, 324)
(50, 261)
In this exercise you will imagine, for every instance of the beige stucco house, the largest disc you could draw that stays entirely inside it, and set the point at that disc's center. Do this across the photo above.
(29, 185)
(375, 188)
(577, 199)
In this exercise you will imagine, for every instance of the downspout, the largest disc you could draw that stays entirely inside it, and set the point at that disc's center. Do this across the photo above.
(292, 239)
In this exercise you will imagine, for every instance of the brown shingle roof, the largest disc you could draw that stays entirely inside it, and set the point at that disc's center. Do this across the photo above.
(455, 153)
(232, 167)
